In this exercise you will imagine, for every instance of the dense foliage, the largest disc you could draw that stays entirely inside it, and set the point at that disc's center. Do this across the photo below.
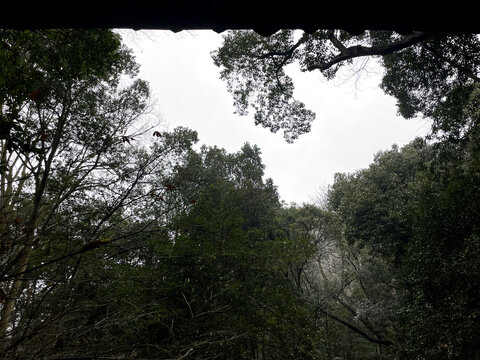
(428, 74)
(119, 240)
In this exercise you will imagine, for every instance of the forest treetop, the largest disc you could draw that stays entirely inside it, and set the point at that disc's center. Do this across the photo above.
(425, 72)
(111, 247)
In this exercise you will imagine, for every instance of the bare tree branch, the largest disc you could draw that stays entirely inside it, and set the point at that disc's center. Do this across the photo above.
(356, 329)
(287, 54)
(359, 50)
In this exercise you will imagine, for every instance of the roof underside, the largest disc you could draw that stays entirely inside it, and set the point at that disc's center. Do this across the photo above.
(263, 17)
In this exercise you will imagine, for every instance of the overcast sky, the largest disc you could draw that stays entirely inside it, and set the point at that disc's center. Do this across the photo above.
(355, 119)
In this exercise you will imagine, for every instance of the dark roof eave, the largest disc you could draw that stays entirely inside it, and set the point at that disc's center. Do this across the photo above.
(263, 17)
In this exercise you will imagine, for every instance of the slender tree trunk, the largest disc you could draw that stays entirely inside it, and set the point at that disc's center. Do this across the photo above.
(12, 296)
(379, 352)
(41, 178)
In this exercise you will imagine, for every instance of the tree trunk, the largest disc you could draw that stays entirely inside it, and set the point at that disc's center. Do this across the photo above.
(11, 298)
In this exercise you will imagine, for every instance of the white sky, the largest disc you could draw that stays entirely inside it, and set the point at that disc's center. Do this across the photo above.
(354, 119)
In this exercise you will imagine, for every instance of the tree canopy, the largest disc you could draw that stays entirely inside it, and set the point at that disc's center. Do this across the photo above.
(119, 240)
(427, 73)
